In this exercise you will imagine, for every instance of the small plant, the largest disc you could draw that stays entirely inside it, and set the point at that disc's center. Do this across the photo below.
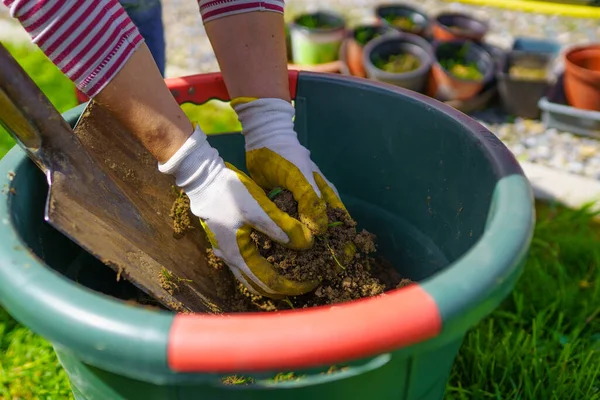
(287, 301)
(460, 67)
(273, 193)
(402, 22)
(523, 72)
(169, 281)
(333, 253)
(314, 22)
(365, 34)
(398, 63)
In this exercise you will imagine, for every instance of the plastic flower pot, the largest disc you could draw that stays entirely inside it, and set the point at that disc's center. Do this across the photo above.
(523, 80)
(536, 45)
(316, 38)
(459, 226)
(558, 114)
(354, 44)
(460, 71)
(404, 18)
(402, 60)
(451, 26)
(582, 77)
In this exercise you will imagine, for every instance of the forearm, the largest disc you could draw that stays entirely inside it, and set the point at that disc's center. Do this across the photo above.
(98, 47)
(249, 43)
(138, 97)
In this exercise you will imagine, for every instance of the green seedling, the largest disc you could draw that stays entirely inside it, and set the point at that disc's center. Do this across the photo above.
(315, 22)
(273, 193)
(289, 303)
(334, 224)
(333, 254)
(171, 279)
(168, 275)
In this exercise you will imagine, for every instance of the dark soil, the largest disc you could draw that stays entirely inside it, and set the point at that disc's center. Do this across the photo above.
(344, 277)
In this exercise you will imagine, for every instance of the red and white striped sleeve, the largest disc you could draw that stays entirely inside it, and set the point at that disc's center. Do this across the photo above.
(213, 9)
(89, 40)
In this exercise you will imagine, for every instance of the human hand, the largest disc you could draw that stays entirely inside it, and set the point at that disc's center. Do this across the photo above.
(275, 158)
(230, 206)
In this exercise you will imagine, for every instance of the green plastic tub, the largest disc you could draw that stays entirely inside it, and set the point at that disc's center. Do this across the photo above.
(448, 201)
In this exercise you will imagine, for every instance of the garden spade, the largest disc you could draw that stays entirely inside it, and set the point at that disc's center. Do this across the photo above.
(107, 195)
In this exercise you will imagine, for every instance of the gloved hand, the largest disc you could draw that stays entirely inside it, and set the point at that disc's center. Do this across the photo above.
(230, 205)
(275, 158)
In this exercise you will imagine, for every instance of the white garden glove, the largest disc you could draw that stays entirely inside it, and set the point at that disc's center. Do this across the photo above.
(230, 205)
(275, 158)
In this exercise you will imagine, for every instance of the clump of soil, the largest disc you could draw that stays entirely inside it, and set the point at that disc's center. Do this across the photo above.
(180, 213)
(344, 276)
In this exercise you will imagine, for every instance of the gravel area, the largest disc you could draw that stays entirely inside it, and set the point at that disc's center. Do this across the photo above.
(189, 52)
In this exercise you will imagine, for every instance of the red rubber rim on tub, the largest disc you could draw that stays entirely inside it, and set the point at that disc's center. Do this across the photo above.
(306, 338)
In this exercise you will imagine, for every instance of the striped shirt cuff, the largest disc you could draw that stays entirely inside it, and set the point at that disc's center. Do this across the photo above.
(214, 9)
(89, 41)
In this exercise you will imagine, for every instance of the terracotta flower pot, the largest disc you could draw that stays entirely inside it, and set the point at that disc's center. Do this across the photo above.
(459, 82)
(359, 37)
(458, 26)
(582, 77)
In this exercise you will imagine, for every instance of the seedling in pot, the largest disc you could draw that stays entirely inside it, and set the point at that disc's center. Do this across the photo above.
(314, 22)
(452, 26)
(398, 63)
(527, 73)
(402, 22)
(365, 34)
(403, 18)
(316, 38)
(460, 68)
(354, 47)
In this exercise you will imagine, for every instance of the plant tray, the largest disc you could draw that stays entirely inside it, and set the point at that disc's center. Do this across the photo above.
(558, 114)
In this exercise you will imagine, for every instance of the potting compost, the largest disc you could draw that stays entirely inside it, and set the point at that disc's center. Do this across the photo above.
(343, 260)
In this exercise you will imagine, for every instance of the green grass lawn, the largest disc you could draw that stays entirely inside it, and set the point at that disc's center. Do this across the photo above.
(542, 343)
